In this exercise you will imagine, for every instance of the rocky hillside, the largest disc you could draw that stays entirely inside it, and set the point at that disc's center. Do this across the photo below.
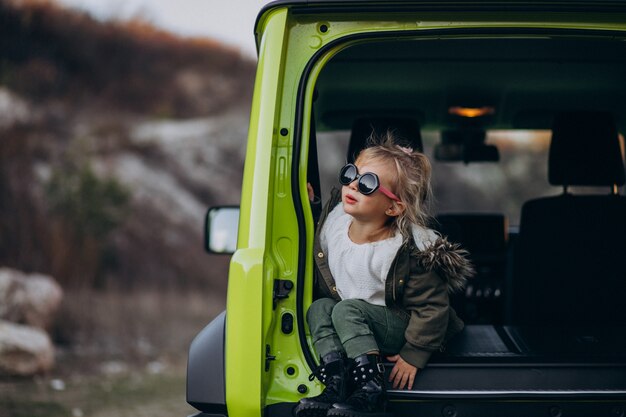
(114, 139)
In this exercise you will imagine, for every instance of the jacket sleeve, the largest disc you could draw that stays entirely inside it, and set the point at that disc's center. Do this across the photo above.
(426, 300)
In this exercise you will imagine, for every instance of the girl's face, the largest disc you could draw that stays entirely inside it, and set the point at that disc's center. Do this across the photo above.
(375, 207)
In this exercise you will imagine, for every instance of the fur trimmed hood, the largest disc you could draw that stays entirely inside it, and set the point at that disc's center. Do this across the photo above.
(435, 252)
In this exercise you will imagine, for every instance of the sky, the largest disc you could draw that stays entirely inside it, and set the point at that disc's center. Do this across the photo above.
(230, 21)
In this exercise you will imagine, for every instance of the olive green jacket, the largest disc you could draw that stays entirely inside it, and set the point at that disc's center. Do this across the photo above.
(426, 269)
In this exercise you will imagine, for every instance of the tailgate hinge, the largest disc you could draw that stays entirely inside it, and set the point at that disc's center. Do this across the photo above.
(282, 288)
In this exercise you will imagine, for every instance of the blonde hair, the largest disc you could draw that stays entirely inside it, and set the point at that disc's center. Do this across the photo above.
(412, 180)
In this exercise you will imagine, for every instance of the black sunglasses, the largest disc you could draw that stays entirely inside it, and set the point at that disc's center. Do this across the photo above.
(368, 182)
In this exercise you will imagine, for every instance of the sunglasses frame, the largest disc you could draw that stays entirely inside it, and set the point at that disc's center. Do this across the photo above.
(359, 177)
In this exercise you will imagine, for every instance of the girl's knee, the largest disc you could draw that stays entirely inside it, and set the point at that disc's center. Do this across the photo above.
(322, 306)
(347, 309)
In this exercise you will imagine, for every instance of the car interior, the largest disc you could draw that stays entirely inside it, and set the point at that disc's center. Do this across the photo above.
(546, 312)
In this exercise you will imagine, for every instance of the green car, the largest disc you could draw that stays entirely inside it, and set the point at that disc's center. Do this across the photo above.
(519, 105)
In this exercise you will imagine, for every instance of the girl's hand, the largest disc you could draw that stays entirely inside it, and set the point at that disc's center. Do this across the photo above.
(309, 189)
(401, 373)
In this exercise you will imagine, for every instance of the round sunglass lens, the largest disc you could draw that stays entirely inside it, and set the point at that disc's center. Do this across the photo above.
(347, 174)
(368, 183)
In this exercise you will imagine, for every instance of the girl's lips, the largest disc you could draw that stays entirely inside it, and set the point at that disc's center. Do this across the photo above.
(350, 200)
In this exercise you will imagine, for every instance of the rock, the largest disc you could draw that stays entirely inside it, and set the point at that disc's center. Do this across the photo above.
(13, 109)
(24, 351)
(30, 299)
(114, 368)
(57, 384)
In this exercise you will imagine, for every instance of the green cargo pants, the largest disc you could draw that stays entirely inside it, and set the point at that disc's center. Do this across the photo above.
(355, 327)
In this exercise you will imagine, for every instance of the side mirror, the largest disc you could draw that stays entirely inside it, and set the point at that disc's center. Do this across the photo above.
(221, 227)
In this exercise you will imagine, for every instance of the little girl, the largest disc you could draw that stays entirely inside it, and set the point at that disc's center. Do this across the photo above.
(382, 282)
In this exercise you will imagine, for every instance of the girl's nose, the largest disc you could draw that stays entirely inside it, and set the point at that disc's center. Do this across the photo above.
(353, 185)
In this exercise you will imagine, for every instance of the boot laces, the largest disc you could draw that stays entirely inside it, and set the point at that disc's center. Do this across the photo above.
(326, 371)
(332, 381)
(320, 373)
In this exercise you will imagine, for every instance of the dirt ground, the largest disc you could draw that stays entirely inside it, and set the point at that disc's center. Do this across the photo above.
(119, 355)
(134, 393)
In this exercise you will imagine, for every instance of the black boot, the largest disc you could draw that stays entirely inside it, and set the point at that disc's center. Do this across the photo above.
(369, 399)
(332, 373)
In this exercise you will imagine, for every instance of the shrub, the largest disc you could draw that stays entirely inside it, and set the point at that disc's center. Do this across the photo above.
(85, 210)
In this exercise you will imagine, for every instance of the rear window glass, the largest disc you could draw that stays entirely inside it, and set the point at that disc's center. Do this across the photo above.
(493, 187)
(477, 187)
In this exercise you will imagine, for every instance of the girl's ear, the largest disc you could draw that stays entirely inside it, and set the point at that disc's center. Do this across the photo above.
(396, 209)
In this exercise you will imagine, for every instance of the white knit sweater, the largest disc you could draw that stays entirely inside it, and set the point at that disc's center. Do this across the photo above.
(359, 270)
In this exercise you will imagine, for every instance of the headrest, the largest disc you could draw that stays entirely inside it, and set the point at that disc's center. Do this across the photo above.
(407, 131)
(585, 150)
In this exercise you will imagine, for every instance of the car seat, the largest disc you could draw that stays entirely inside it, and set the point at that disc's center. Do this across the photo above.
(485, 236)
(568, 261)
